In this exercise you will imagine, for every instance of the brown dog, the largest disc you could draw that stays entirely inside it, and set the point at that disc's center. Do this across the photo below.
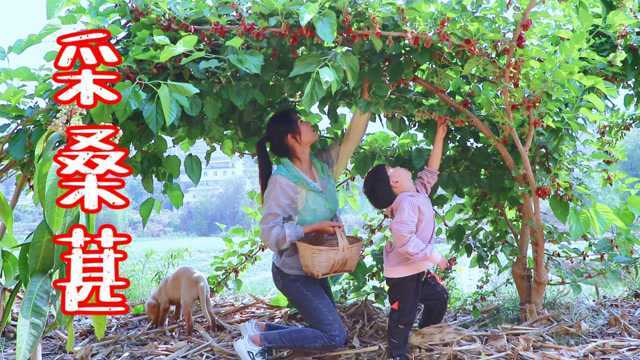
(180, 289)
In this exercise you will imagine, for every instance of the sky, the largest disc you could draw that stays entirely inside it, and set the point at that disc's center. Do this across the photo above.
(21, 18)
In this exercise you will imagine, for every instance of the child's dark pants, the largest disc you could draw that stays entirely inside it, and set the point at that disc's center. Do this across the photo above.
(405, 294)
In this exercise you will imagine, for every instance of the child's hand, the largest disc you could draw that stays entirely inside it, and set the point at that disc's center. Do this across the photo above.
(447, 264)
(443, 264)
(443, 125)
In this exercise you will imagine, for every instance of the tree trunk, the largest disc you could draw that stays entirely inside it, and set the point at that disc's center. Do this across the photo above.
(540, 272)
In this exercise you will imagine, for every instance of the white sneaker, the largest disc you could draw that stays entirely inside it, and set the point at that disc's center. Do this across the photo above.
(247, 350)
(249, 328)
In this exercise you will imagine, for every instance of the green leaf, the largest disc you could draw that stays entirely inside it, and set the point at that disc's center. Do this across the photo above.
(101, 113)
(175, 194)
(54, 7)
(350, 64)
(6, 217)
(162, 40)
(187, 43)
(99, 323)
(596, 101)
(634, 204)
(227, 147)
(249, 61)
(280, 301)
(607, 217)
(628, 100)
(579, 222)
(312, 92)
(625, 260)
(326, 25)
(23, 263)
(8, 306)
(327, 76)
(168, 52)
(193, 168)
(70, 337)
(41, 250)
(212, 107)
(618, 18)
(172, 164)
(170, 108)
(196, 55)
(145, 210)
(138, 309)
(560, 208)
(3, 54)
(377, 43)
(184, 89)
(33, 315)
(152, 116)
(53, 214)
(577, 289)
(208, 64)
(9, 267)
(307, 12)
(306, 64)
(236, 42)
(194, 106)
(18, 145)
(23, 44)
(147, 183)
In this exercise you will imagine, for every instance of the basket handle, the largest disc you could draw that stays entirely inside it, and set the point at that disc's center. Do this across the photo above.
(342, 239)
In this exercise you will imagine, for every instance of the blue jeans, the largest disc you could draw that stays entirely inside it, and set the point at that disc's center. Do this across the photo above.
(314, 300)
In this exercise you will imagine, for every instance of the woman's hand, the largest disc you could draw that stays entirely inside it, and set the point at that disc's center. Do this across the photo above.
(323, 227)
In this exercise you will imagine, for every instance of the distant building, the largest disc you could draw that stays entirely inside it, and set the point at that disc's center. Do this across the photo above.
(218, 172)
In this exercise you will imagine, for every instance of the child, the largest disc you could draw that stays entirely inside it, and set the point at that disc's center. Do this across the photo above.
(409, 256)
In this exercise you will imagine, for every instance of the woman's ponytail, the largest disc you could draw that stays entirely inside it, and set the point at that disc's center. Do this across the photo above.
(280, 125)
(264, 164)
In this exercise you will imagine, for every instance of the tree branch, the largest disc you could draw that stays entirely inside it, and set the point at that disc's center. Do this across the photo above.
(530, 132)
(481, 125)
(506, 219)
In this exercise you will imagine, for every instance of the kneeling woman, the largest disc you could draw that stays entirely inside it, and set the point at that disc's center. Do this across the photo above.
(299, 198)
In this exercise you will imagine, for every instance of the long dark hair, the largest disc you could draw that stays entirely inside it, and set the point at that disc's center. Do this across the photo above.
(280, 125)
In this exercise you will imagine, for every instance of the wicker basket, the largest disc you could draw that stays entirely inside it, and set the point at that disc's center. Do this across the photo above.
(323, 256)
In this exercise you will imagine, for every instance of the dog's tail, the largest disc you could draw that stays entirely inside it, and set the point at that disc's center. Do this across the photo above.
(205, 301)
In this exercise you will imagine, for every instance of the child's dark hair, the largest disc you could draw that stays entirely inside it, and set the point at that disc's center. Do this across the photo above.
(280, 125)
(377, 187)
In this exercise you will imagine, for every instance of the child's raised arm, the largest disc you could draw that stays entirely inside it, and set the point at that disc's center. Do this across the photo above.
(438, 144)
(429, 176)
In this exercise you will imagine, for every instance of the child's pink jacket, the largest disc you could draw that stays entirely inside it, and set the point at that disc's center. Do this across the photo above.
(412, 227)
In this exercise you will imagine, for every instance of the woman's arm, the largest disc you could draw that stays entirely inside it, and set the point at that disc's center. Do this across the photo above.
(339, 153)
(351, 140)
(278, 229)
